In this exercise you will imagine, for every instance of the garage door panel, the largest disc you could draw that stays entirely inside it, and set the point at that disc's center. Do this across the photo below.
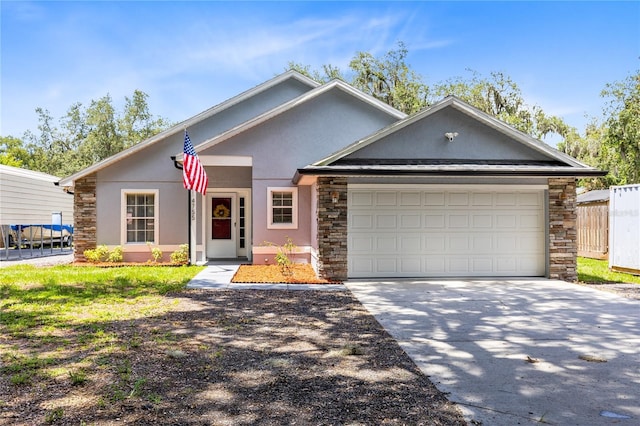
(434, 221)
(482, 243)
(506, 243)
(386, 266)
(360, 266)
(482, 265)
(507, 265)
(410, 244)
(507, 199)
(482, 199)
(458, 199)
(386, 221)
(386, 243)
(459, 243)
(412, 233)
(434, 199)
(435, 243)
(528, 265)
(410, 266)
(413, 199)
(506, 221)
(386, 199)
(435, 265)
(361, 244)
(482, 221)
(530, 221)
(458, 265)
(410, 221)
(361, 221)
(361, 198)
(458, 221)
(530, 199)
(530, 244)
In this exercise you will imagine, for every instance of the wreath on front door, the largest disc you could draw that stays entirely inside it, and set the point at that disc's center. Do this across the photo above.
(221, 212)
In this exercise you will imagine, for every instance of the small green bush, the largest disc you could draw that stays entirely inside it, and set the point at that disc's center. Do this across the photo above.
(181, 256)
(99, 254)
(103, 254)
(156, 253)
(115, 255)
(284, 254)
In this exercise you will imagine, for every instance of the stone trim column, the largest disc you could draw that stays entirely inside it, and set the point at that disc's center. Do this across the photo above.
(84, 216)
(332, 228)
(563, 234)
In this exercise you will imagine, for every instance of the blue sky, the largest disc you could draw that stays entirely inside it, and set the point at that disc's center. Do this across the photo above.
(189, 56)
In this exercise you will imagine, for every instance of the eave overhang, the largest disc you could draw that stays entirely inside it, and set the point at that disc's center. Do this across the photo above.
(448, 170)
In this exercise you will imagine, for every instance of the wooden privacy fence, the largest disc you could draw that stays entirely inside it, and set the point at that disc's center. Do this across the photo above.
(593, 230)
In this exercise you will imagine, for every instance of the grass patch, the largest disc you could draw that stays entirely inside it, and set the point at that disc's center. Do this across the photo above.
(36, 300)
(597, 271)
(77, 322)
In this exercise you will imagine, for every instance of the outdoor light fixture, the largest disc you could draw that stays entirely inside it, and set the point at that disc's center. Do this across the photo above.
(450, 136)
(335, 196)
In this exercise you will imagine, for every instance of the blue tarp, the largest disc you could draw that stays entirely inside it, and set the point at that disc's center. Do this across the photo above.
(68, 228)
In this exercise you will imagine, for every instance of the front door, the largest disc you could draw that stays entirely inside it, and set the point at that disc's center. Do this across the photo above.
(221, 225)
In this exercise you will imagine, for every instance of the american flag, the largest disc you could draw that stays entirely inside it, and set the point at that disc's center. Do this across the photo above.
(193, 174)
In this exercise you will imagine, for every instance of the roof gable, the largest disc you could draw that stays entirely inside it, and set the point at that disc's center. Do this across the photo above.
(296, 133)
(296, 103)
(290, 78)
(475, 136)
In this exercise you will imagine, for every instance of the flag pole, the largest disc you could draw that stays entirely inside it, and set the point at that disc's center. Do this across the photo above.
(191, 259)
(195, 180)
(192, 226)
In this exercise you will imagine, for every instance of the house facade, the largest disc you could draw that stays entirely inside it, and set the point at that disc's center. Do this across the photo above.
(360, 188)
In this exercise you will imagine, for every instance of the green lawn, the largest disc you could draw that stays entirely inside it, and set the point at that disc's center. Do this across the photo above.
(54, 321)
(64, 296)
(592, 270)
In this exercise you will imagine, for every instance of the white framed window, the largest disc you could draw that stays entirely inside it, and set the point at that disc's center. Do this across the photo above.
(282, 209)
(139, 216)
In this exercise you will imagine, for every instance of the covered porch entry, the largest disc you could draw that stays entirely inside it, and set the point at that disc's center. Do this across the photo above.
(227, 224)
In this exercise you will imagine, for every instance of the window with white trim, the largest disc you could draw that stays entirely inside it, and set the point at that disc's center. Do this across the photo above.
(282, 211)
(140, 216)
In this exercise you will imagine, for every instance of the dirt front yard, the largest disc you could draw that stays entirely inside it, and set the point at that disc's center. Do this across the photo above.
(237, 357)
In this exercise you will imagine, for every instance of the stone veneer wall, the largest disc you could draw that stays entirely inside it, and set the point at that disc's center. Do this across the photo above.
(563, 235)
(84, 216)
(332, 229)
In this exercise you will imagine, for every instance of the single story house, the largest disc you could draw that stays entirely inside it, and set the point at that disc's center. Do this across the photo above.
(362, 189)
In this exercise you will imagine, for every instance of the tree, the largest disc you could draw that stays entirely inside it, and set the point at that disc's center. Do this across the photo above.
(500, 97)
(587, 149)
(388, 78)
(87, 135)
(621, 142)
(12, 152)
(614, 143)
(391, 80)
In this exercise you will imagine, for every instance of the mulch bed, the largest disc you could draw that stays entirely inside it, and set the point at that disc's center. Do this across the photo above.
(297, 273)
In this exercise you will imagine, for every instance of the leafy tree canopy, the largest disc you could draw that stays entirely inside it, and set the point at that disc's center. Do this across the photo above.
(83, 136)
(391, 80)
(613, 143)
(12, 153)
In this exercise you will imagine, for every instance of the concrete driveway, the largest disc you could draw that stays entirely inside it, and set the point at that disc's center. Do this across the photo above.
(518, 351)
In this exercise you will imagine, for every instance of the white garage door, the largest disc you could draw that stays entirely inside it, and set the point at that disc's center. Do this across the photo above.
(445, 231)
